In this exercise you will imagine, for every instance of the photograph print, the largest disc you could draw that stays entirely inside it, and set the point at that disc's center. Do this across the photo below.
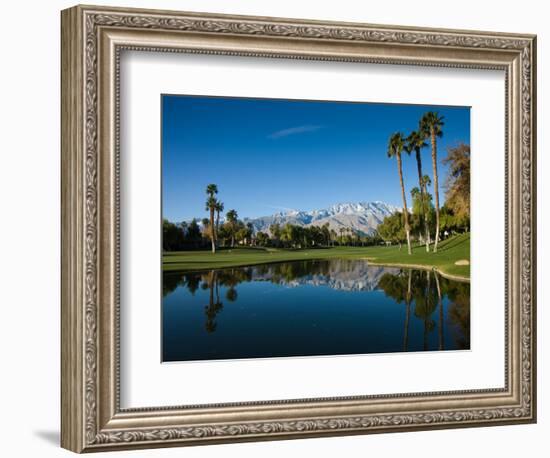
(294, 228)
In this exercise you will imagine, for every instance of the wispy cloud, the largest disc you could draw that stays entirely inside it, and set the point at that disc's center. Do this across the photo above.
(293, 131)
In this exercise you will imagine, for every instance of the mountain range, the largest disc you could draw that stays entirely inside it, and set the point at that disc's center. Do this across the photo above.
(362, 217)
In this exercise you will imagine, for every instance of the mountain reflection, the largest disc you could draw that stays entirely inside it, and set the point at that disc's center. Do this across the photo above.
(339, 274)
(427, 298)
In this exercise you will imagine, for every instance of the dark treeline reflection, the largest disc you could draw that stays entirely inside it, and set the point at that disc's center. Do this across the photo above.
(422, 293)
(427, 298)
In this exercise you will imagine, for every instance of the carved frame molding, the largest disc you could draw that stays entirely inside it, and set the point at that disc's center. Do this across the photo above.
(92, 39)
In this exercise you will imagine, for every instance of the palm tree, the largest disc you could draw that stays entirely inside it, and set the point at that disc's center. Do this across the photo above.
(326, 233)
(211, 206)
(350, 235)
(212, 189)
(275, 231)
(332, 236)
(415, 142)
(219, 209)
(426, 181)
(211, 203)
(232, 216)
(431, 127)
(396, 146)
(342, 230)
(206, 227)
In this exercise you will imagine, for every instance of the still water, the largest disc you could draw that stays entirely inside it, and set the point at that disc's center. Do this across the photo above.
(306, 308)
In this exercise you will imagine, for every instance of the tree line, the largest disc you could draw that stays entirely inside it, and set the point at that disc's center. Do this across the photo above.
(299, 237)
(429, 218)
(198, 235)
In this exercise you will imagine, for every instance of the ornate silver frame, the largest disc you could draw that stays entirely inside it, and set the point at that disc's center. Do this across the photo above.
(92, 38)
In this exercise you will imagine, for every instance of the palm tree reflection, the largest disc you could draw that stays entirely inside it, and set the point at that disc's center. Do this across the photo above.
(425, 306)
(214, 306)
(459, 313)
(427, 291)
(399, 288)
(408, 313)
(440, 302)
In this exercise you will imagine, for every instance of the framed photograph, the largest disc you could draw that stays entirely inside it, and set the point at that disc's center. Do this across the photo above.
(277, 228)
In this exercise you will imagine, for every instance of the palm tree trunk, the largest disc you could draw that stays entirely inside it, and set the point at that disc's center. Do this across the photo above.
(405, 210)
(422, 194)
(212, 230)
(436, 189)
(217, 224)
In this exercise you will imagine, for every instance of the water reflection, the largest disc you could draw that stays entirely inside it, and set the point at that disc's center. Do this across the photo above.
(214, 306)
(339, 274)
(431, 305)
(424, 290)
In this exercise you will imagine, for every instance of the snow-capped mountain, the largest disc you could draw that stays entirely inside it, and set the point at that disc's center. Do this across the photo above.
(362, 217)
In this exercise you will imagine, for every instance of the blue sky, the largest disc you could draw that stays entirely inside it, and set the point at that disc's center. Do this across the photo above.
(269, 155)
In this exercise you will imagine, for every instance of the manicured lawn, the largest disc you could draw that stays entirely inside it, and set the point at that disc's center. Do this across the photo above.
(449, 251)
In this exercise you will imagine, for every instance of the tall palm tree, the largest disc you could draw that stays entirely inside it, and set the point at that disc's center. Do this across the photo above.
(232, 216)
(426, 181)
(431, 127)
(396, 146)
(415, 142)
(333, 236)
(219, 209)
(211, 203)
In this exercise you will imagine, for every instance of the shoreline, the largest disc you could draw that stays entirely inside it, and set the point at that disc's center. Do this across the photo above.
(448, 276)
(371, 261)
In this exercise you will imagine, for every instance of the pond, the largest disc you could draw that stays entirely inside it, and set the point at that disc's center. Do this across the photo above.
(307, 308)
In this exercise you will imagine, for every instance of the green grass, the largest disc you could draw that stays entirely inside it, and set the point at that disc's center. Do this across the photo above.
(449, 251)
